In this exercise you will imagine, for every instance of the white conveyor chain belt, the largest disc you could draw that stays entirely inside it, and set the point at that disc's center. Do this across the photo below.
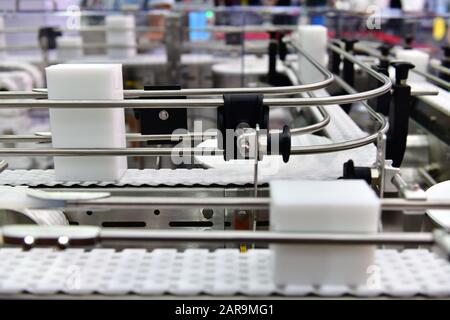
(194, 272)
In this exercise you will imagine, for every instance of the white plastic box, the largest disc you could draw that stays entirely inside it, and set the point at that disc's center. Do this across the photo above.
(343, 206)
(312, 39)
(69, 48)
(87, 128)
(120, 31)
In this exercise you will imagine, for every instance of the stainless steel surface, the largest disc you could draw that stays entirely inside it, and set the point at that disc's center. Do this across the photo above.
(231, 202)
(269, 237)
(148, 152)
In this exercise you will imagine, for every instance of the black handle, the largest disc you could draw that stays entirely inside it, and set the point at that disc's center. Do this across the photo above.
(446, 62)
(401, 71)
(409, 39)
(385, 50)
(47, 37)
(399, 114)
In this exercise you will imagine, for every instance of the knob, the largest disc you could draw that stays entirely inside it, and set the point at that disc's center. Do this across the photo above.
(349, 44)
(385, 49)
(409, 39)
(401, 70)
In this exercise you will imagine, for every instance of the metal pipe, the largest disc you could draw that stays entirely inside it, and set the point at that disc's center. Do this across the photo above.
(437, 66)
(230, 202)
(340, 146)
(213, 103)
(221, 29)
(329, 78)
(170, 202)
(427, 75)
(47, 137)
(143, 152)
(324, 113)
(410, 238)
(432, 78)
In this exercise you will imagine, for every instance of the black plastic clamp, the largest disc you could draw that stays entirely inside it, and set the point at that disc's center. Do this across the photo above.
(238, 112)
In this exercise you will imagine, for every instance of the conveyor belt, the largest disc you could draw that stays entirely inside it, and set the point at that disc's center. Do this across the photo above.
(308, 167)
(195, 272)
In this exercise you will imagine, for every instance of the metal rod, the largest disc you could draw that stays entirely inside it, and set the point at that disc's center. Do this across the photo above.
(47, 137)
(432, 78)
(427, 75)
(231, 202)
(213, 103)
(143, 152)
(329, 78)
(104, 28)
(410, 238)
(324, 113)
(170, 202)
(340, 146)
(421, 93)
(437, 65)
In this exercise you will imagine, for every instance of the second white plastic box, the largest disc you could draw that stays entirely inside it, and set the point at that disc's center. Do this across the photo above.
(342, 206)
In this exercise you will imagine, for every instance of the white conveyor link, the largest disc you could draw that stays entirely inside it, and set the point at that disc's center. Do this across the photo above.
(224, 272)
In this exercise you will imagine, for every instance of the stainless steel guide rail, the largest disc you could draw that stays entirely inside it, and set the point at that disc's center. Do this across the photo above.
(215, 102)
(88, 235)
(374, 53)
(218, 29)
(262, 203)
(37, 100)
(129, 94)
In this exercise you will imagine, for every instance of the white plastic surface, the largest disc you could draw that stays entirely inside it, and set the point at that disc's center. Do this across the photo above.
(120, 30)
(87, 128)
(418, 58)
(440, 191)
(313, 39)
(69, 48)
(342, 206)
(223, 272)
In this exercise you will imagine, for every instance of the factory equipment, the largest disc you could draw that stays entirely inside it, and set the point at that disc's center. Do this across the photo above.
(301, 172)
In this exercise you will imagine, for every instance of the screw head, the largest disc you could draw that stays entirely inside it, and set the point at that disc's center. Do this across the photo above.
(163, 115)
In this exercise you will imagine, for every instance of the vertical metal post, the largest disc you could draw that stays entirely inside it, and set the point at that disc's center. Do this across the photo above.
(173, 41)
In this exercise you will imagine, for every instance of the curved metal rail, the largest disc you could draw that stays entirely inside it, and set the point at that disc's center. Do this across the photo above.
(353, 96)
(217, 102)
(374, 53)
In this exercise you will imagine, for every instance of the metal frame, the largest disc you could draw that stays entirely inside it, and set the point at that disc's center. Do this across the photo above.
(353, 96)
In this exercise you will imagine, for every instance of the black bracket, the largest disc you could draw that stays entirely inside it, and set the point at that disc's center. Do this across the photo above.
(446, 62)
(356, 173)
(276, 47)
(162, 121)
(336, 59)
(399, 114)
(239, 111)
(381, 103)
(47, 37)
